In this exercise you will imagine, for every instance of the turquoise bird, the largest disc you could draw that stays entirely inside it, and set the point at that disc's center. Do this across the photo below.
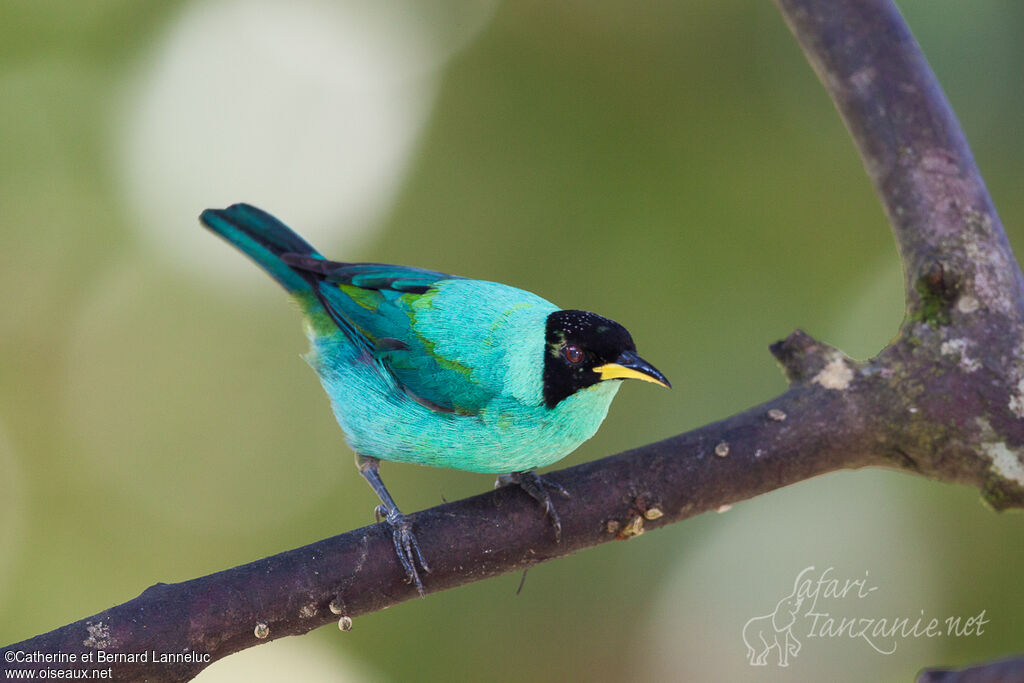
(434, 369)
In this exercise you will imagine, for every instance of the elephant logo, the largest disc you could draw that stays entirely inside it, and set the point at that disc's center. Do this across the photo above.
(774, 631)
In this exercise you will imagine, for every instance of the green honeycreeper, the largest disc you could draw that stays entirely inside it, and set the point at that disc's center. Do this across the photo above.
(434, 369)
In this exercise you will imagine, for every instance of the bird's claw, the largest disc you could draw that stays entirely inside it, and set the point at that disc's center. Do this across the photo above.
(538, 488)
(406, 546)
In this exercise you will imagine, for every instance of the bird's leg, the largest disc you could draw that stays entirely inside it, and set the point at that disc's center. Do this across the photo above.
(406, 547)
(537, 487)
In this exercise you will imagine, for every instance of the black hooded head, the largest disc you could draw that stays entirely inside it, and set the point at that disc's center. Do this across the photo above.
(582, 349)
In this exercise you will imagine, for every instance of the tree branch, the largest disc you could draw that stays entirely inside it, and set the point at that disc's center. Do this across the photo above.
(912, 147)
(965, 293)
(943, 400)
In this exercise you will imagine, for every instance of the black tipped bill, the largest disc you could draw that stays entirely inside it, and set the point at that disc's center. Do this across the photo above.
(631, 366)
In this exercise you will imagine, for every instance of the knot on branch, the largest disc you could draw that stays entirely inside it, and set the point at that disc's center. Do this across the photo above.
(804, 359)
(937, 289)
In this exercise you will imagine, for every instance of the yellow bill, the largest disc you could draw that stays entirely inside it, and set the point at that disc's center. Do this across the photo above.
(631, 366)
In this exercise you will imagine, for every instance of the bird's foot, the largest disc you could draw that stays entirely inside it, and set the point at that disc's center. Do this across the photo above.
(538, 488)
(406, 546)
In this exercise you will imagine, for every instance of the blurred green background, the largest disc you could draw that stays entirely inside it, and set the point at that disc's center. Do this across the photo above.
(673, 165)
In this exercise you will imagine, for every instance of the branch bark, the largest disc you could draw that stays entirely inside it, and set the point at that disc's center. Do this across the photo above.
(959, 359)
(944, 400)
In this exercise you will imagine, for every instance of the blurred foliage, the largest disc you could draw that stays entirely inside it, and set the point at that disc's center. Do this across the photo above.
(675, 166)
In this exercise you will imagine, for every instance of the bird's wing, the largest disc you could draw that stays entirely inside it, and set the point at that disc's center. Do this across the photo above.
(374, 276)
(376, 305)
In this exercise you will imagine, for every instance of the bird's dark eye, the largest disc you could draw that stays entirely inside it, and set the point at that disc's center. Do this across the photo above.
(573, 353)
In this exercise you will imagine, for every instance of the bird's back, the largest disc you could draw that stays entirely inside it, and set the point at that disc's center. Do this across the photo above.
(459, 344)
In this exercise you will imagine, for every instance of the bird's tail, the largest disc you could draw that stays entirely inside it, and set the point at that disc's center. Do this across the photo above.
(264, 239)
